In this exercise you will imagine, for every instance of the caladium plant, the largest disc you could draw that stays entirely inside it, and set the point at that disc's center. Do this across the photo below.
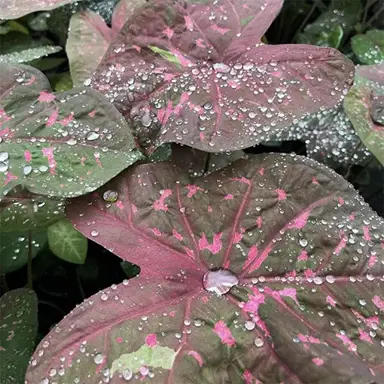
(197, 73)
(364, 106)
(89, 38)
(270, 271)
(58, 144)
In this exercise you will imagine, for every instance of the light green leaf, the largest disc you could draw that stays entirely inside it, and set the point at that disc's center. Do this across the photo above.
(29, 54)
(14, 249)
(165, 55)
(67, 243)
(18, 329)
(369, 48)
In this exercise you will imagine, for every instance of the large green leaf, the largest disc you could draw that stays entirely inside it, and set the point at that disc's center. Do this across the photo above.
(14, 248)
(369, 48)
(64, 144)
(364, 107)
(18, 329)
(67, 243)
(21, 210)
(28, 55)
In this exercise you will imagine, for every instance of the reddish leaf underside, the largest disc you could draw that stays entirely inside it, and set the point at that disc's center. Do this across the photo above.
(13, 9)
(59, 144)
(308, 254)
(197, 73)
(364, 107)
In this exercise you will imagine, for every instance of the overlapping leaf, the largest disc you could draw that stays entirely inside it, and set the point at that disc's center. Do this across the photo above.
(18, 329)
(300, 249)
(369, 48)
(13, 9)
(62, 144)
(89, 38)
(364, 107)
(197, 73)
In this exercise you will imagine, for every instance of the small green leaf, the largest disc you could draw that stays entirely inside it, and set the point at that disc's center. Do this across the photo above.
(14, 249)
(29, 54)
(13, 26)
(369, 48)
(67, 243)
(18, 329)
(131, 270)
(165, 55)
(63, 82)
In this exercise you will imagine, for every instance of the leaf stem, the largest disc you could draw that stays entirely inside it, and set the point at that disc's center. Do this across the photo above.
(305, 21)
(3, 284)
(80, 285)
(375, 15)
(29, 265)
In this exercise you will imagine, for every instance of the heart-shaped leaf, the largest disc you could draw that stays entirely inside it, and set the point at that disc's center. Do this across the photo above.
(245, 275)
(62, 144)
(197, 73)
(67, 243)
(89, 38)
(18, 329)
(14, 248)
(369, 48)
(13, 9)
(362, 105)
(21, 210)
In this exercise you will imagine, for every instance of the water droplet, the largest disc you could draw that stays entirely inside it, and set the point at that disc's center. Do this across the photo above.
(250, 325)
(93, 136)
(99, 358)
(259, 342)
(94, 233)
(219, 281)
(110, 196)
(362, 302)
(127, 374)
(330, 279)
(4, 156)
(71, 141)
(303, 242)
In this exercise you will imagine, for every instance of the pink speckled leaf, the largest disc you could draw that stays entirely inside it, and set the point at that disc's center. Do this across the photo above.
(89, 38)
(245, 275)
(13, 9)
(58, 144)
(196, 73)
(364, 106)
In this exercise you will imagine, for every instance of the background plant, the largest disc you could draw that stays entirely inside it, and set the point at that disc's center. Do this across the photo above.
(302, 245)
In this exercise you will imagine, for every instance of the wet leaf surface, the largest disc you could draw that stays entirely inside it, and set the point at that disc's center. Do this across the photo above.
(197, 74)
(245, 274)
(364, 106)
(369, 48)
(18, 329)
(58, 144)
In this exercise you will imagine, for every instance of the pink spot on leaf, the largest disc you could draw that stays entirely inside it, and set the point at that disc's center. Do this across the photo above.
(151, 340)
(300, 221)
(224, 333)
(281, 195)
(48, 153)
(342, 244)
(156, 232)
(27, 156)
(159, 205)
(119, 204)
(330, 301)
(46, 97)
(318, 361)
(188, 22)
(9, 177)
(228, 197)
(367, 236)
(347, 341)
(378, 302)
(192, 190)
(177, 235)
(364, 336)
(218, 29)
(241, 180)
(216, 245)
(259, 222)
(168, 32)
(52, 118)
(303, 256)
(252, 255)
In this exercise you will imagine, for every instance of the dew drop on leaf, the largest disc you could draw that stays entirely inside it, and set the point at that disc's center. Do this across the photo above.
(259, 342)
(219, 281)
(99, 358)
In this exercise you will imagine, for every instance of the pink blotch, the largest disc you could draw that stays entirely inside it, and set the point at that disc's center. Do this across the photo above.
(46, 97)
(352, 217)
(209, 209)
(134, 209)
(168, 32)
(259, 222)
(378, 302)
(303, 256)
(197, 357)
(276, 74)
(252, 255)
(228, 197)
(200, 42)
(233, 84)
(261, 171)
(188, 22)
(64, 122)
(364, 336)
(48, 153)
(6, 132)
(367, 236)
(177, 235)
(156, 231)
(281, 195)
(224, 333)
(119, 204)
(201, 136)
(341, 200)
(151, 340)
(330, 301)
(9, 177)
(27, 156)
(119, 340)
(52, 118)
(92, 113)
(318, 361)
(183, 99)
(138, 49)
(254, 301)
(341, 245)
(192, 190)
(205, 299)
(31, 80)
(216, 245)
(97, 159)
(372, 261)
(288, 292)
(243, 180)
(168, 76)
(300, 221)
(347, 341)
(172, 314)
(238, 236)
(218, 29)
(247, 376)
(159, 204)
(314, 180)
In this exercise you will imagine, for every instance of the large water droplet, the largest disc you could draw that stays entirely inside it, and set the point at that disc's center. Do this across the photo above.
(219, 281)
(99, 358)
(110, 196)
(259, 342)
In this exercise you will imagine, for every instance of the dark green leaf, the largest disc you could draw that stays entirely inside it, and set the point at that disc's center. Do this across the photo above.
(18, 329)
(369, 48)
